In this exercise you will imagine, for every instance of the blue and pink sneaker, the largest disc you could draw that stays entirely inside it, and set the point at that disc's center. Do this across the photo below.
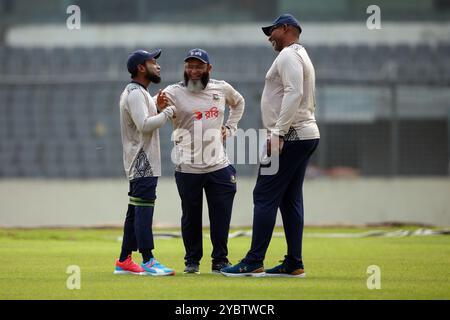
(154, 268)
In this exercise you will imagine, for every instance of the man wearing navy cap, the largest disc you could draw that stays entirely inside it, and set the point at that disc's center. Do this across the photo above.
(201, 161)
(139, 120)
(287, 107)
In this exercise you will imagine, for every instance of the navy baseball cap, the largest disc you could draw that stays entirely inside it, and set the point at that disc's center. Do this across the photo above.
(139, 57)
(199, 54)
(283, 19)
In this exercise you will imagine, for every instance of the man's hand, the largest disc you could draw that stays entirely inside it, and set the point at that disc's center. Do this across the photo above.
(224, 133)
(161, 100)
(274, 142)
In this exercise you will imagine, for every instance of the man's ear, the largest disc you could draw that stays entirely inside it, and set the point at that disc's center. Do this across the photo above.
(141, 68)
(209, 67)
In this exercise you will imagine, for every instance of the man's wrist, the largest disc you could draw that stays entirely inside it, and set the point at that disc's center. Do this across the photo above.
(277, 135)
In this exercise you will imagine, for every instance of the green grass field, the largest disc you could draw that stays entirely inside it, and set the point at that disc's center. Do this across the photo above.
(34, 266)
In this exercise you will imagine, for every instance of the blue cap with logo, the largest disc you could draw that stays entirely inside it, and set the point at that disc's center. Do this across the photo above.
(283, 19)
(199, 54)
(139, 57)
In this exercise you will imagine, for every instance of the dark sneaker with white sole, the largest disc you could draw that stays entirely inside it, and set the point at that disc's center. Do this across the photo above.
(284, 270)
(216, 267)
(243, 269)
(192, 269)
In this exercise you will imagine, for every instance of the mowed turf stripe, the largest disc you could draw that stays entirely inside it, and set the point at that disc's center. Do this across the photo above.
(411, 268)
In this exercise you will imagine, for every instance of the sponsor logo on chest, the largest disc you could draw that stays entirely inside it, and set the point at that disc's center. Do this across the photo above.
(211, 113)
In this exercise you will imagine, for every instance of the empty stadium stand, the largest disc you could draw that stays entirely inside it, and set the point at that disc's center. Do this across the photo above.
(59, 115)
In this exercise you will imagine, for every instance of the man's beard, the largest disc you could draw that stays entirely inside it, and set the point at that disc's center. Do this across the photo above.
(152, 77)
(276, 46)
(196, 86)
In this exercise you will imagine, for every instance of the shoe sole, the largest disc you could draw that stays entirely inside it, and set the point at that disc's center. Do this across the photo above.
(128, 272)
(281, 275)
(158, 274)
(198, 272)
(258, 274)
(216, 271)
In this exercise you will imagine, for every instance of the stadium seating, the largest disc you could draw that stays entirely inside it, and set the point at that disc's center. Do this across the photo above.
(59, 114)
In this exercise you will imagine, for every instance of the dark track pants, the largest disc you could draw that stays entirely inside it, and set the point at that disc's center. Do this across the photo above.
(220, 188)
(137, 231)
(282, 190)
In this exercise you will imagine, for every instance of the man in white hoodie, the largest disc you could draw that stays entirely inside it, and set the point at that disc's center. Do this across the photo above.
(140, 120)
(287, 107)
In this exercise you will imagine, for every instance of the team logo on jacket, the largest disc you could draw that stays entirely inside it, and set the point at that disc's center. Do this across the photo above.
(216, 96)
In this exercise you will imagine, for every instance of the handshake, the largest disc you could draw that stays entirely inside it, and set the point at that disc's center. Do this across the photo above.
(162, 104)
